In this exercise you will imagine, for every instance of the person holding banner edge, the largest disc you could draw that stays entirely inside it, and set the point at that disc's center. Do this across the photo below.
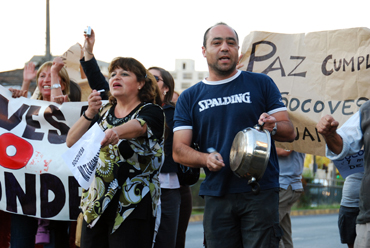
(233, 215)
(348, 140)
(53, 83)
(129, 161)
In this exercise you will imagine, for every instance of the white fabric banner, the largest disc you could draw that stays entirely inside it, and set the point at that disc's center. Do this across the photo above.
(83, 156)
(34, 180)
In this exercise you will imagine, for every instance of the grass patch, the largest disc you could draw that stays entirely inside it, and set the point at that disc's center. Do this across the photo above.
(197, 211)
(333, 206)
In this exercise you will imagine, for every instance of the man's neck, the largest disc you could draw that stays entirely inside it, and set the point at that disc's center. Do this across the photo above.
(213, 76)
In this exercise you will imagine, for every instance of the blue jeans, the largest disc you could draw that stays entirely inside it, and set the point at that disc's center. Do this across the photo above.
(242, 220)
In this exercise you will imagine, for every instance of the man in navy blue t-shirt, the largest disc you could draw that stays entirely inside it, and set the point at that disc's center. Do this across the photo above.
(210, 114)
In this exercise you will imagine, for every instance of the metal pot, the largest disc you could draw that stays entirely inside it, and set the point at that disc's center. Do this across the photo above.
(250, 153)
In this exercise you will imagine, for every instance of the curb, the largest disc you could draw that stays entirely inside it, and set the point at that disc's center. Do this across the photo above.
(313, 212)
(199, 217)
(196, 218)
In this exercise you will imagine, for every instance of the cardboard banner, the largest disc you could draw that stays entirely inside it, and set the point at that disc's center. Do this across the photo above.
(34, 180)
(71, 59)
(318, 74)
(350, 164)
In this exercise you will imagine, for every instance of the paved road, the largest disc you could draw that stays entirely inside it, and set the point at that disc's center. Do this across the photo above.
(318, 231)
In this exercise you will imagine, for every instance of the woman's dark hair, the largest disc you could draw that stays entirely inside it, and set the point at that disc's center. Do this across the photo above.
(75, 92)
(150, 91)
(167, 81)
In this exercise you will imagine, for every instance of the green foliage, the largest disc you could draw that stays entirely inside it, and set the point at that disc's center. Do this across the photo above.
(307, 174)
(202, 175)
(304, 202)
(332, 206)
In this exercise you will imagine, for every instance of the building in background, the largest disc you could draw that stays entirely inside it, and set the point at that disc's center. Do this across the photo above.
(185, 74)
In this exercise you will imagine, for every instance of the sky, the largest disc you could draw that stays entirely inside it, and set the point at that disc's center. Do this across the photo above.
(158, 32)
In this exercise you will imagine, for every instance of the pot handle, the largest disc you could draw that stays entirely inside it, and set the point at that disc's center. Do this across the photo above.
(259, 127)
(255, 186)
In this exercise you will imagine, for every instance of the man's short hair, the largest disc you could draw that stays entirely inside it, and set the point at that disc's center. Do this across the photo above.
(217, 24)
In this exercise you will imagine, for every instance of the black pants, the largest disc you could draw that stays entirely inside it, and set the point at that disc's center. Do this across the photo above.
(242, 220)
(24, 228)
(185, 213)
(170, 210)
(136, 231)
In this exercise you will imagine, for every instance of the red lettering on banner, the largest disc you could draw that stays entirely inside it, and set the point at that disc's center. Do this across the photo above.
(23, 151)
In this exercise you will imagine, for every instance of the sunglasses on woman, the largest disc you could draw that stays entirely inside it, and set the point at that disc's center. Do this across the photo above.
(158, 79)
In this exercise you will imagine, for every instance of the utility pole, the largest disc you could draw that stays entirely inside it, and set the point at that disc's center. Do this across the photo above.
(314, 166)
(47, 53)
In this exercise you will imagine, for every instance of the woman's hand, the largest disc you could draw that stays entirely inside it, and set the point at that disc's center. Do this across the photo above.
(60, 99)
(57, 93)
(111, 137)
(29, 72)
(95, 104)
(89, 45)
(18, 93)
(57, 65)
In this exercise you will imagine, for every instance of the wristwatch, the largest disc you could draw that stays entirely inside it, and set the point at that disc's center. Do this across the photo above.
(55, 86)
(274, 130)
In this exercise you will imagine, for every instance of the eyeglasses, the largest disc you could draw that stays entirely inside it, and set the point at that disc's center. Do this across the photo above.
(158, 79)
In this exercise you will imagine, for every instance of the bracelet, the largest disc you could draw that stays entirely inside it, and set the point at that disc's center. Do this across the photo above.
(87, 118)
(89, 52)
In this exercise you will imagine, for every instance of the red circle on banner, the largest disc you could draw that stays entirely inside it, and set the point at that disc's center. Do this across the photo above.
(23, 153)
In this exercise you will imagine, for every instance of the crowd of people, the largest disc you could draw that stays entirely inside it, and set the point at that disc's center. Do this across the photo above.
(149, 130)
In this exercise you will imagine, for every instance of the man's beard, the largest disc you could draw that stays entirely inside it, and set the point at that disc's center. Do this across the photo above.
(221, 71)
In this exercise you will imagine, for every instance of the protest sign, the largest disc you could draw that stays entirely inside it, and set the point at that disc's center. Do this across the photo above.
(71, 60)
(350, 164)
(83, 156)
(318, 73)
(34, 180)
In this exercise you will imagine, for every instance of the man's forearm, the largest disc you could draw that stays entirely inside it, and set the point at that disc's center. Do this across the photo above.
(285, 132)
(187, 156)
(334, 143)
